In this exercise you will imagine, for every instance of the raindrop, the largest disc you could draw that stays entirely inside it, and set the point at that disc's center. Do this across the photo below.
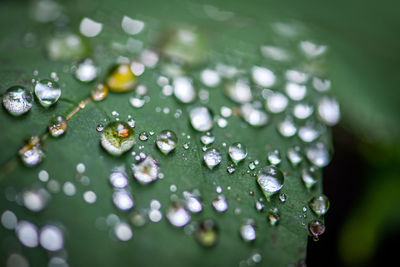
(303, 110)
(207, 233)
(274, 157)
(201, 119)
(166, 141)
(287, 128)
(117, 138)
(210, 78)
(294, 156)
(122, 199)
(17, 100)
(32, 152)
(329, 111)
(47, 92)
(220, 203)
(51, 238)
(9, 220)
(316, 228)
(239, 91)
(123, 231)
(121, 78)
(86, 70)
(273, 217)
(27, 234)
(99, 92)
(318, 154)
(57, 126)
(207, 139)
(295, 91)
(184, 90)
(177, 215)
(310, 176)
(237, 152)
(253, 116)
(270, 179)
(212, 157)
(90, 28)
(319, 205)
(146, 171)
(248, 232)
(263, 76)
(276, 102)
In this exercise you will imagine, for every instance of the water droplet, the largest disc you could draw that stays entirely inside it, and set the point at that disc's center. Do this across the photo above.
(316, 228)
(207, 139)
(230, 169)
(329, 111)
(193, 204)
(117, 138)
(296, 76)
(318, 154)
(259, 206)
(86, 70)
(319, 205)
(138, 219)
(210, 78)
(123, 231)
(57, 126)
(17, 100)
(295, 91)
(310, 176)
(275, 53)
(69, 189)
(17, 260)
(253, 116)
(51, 238)
(137, 102)
(274, 157)
(220, 203)
(27, 234)
(282, 197)
(237, 152)
(131, 26)
(146, 171)
(184, 90)
(47, 92)
(212, 157)
(287, 128)
(45, 11)
(90, 197)
(312, 49)
(143, 136)
(263, 76)
(35, 199)
(90, 28)
(177, 215)
(321, 85)
(201, 119)
(121, 78)
(155, 215)
(207, 233)
(99, 92)
(100, 128)
(239, 91)
(166, 141)
(273, 217)
(270, 179)
(309, 132)
(155, 204)
(122, 199)
(32, 152)
(276, 102)
(68, 46)
(294, 156)
(118, 179)
(9, 220)
(248, 232)
(303, 110)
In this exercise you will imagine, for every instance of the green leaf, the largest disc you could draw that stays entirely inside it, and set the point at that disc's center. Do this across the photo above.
(89, 241)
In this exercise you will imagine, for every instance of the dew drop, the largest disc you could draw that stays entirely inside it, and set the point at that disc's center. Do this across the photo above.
(51, 238)
(193, 204)
(270, 179)
(318, 154)
(282, 197)
(47, 92)
(122, 199)
(207, 139)
(184, 90)
(312, 49)
(90, 28)
(295, 91)
(239, 91)
(296, 76)
(17, 100)
(123, 231)
(201, 119)
(294, 156)
(121, 78)
(230, 169)
(138, 219)
(35, 199)
(90, 197)
(100, 128)
(274, 52)
(131, 26)
(210, 78)
(273, 217)
(321, 85)
(137, 102)
(99, 92)
(274, 157)
(212, 158)
(263, 76)
(27, 234)
(253, 116)
(259, 206)
(287, 128)
(309, 132)
(155, 215)
(237, 152)
(303, 110)
(166, 141)
(276, 102)
(329, 111)
(69, 189)
(248, 232)
(146, 171)
(177, 215)
(310, 176)
(220, 203)
(319, 205)
(9, 220)
(86, 71)
(316, 228)
(68, 46)
(143, 136)
(117, 138)
(57, 126)
(206, 233)
(118, 179)
(32, 152)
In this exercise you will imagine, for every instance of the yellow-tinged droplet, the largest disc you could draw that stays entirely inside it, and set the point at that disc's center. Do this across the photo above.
(99, 92)
(121, 78)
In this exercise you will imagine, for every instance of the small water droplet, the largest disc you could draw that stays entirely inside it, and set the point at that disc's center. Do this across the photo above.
(275, 102)
(90, 197)
(137, 102)
(193, 204)
(47, 92)
(69, 189)
(155, 215)
(143, 136)
(80, 168)
(35, 199)
(51, 238)
(263, 76)
(68, 46)
(287, 128)
(212, 158)
(117, 138)
(27, 234)
(295, 91)
(177, 215)
(207, 139)
(316, 228)
(259, 206)
(310, 176)
(166, 141)
(131, 26)
(121, 78)
(253, 116)
(122, 199)
(239, 91)
(86, 70)
(138, 219)
(294, 156)
(270, 179)
(312, 49)
(273, 217)
(123, 231)
(274, 157)
(100, 128)
(319, 205)
(17, 100)
(57, 126)
(329, 111)
(90, 28)
(230, 169)
(282, 197)
(99, 92)
(32, 152)
(321, 85)
(220, 203)
(296, 76)
(184, 90)
(201, 119)
(318, 154)
(206, 233)
(146, 171)
(237, 152)
(248, 231)
(275, 53)
(310, 132)
(303, 110)
(210, 78)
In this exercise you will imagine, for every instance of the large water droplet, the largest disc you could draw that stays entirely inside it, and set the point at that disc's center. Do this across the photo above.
(294, 156)
(319, 205)
(57, 126)
(47, 92)
(248, 231)
(117, 138)
(86, 70)
(146, 171)
(201, 119)
(263, 76)
(316, 228)
(237, 152)
(253, 116)
(99, 92)
(310, 176)
(166, 141)
(121, 78)
(220, 203)
(207, 233)
(318, 154)
(184, 90)
(177, 215)
(270, 179)
(329, 111)
(17, 100)
(239, 91)
(212, 157)
(32, 152)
